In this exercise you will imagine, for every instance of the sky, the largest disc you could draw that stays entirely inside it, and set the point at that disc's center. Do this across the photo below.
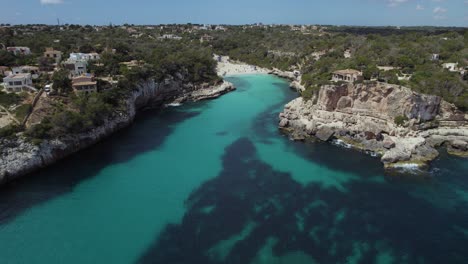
(151, 12)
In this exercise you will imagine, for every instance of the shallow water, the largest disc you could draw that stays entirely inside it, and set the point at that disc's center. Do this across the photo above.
(215, 182)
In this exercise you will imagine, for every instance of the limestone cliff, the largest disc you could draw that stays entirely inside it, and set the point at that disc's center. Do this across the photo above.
(19, 156)
(364, 116)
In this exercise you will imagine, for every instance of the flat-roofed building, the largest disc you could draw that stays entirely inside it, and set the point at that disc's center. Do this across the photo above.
(348, 75)
(51, 53)
(16, 83)
(19, 50)
(76, 68)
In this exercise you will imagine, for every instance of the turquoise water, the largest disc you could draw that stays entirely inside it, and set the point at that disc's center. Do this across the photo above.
(215, 182)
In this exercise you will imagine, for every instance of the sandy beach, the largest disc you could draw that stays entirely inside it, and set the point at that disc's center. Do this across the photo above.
(227, 67)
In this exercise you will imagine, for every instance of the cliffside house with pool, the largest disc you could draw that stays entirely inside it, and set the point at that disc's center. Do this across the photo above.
(16, 83)
(348, 75)
(19, 50)
(84, 84)
(51, 53)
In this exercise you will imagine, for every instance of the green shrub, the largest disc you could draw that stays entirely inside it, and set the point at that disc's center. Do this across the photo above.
(9, 131)
(36, 141)
(22, 111)
(400, 120)
(8, 99)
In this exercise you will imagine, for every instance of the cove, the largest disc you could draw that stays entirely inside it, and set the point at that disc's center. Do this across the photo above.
(216, 182)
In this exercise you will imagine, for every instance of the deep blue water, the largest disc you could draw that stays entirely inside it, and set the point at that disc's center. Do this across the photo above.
(216, 182)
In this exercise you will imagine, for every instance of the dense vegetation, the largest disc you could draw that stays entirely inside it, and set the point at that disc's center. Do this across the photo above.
(315, 51)
(408, 49)
(160, 59)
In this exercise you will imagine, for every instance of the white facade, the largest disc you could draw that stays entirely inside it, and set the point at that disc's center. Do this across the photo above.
(34, 71)
(76, 68)
(84, 56)
(19, 50)
(18, 82)
(452, 67)
(170, 36)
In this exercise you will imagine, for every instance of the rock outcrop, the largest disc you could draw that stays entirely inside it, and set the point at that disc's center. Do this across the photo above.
(19, 156)
(365, 115)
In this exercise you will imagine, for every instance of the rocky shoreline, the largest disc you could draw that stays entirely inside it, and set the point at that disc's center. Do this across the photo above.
(19, 156)
(364, 116)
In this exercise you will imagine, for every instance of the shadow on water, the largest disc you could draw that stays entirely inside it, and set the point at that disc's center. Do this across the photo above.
(333, 157)
(265, 125)
(373, 222)
(146, 134)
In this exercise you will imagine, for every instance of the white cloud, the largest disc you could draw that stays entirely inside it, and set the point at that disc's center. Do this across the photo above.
(51, 2)
(393, 3)
(439, 10)
(419, 7)
(439, 13)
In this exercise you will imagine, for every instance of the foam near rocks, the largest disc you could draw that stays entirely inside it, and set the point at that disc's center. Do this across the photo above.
(363, 116)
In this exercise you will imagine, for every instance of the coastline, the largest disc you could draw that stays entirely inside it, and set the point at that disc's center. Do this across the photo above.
(226, 68)
(362, 117)
(20, 157)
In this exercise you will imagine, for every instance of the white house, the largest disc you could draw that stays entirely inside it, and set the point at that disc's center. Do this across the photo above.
(347, 54)
(84, 56)
(18, 82)
(76, 68)
(33, 70)
(348, 75)
(452, 67)
(170, 36)
(19, 50)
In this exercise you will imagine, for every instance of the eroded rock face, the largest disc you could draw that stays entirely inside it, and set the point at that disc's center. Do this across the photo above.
(363, 115)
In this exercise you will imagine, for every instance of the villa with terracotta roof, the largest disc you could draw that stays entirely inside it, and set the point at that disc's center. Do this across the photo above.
(84, 84)
(348, 75)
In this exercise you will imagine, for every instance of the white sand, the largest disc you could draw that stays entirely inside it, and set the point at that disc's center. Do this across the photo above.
(227, 67)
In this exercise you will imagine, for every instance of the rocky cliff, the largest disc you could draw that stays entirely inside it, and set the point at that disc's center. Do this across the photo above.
(19, 156)
(401, 126)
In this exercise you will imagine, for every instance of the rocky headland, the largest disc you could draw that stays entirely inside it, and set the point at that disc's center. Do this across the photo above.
(19, 156)
(400, 126)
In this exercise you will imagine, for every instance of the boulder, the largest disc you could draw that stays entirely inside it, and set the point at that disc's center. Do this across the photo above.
(395, 155)
(324, 133)
(388, 143)
(369, 135)
(284, 122)
(298, 136)
(425, 153)
(459, 144)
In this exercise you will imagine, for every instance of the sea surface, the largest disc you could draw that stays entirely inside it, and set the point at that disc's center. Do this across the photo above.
(216, 182)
